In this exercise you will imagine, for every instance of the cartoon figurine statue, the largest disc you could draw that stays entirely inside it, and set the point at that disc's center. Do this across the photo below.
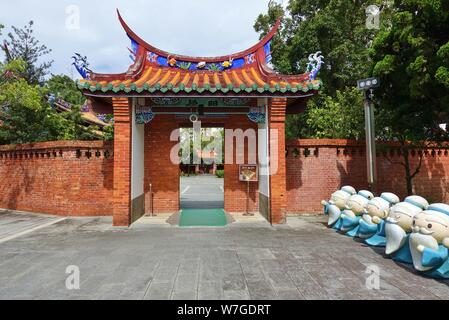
(429, 241)
(337, 203)
(398, 227)
(355, 207)
(373, 221)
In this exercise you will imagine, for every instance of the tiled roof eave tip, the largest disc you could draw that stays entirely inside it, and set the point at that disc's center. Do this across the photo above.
(176, 89)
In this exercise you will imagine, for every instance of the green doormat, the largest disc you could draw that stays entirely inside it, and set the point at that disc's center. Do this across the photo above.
(203, 218)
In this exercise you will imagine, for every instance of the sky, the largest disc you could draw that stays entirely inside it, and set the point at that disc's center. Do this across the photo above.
(190, 27)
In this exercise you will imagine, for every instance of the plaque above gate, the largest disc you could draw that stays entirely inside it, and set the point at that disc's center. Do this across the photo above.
(201, 102)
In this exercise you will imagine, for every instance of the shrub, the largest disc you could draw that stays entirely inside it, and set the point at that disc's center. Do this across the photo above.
(220, 174)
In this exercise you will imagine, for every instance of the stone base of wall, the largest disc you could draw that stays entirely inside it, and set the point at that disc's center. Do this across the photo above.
(264, 206)
(137, 208)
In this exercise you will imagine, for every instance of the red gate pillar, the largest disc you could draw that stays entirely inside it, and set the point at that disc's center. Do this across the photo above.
(122, 162)
(278, 182)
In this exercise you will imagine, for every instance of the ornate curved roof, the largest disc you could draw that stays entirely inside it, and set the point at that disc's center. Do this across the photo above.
(155, 71)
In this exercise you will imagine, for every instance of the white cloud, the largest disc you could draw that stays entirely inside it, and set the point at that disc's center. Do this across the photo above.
(195, 27)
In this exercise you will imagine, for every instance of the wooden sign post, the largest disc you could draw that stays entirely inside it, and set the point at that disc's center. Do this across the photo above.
(248, 174)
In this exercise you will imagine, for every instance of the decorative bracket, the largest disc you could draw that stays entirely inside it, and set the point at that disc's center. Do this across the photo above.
(144, 115)
(257, 115)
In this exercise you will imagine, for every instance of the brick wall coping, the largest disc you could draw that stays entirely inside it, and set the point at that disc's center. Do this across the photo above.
(314, 143)
(57, 145)
(99, 144)
(325, 143)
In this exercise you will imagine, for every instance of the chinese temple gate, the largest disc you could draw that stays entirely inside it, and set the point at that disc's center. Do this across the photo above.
(162, 92)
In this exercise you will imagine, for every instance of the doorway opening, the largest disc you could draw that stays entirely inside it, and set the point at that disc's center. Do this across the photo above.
(202, 168)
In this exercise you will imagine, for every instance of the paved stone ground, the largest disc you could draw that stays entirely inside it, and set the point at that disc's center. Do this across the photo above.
(14, 223)
(202, 192)
(303, 260)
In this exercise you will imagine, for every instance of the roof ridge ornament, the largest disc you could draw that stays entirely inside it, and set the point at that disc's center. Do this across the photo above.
(316, 60)
(228, 63)
(82, 65)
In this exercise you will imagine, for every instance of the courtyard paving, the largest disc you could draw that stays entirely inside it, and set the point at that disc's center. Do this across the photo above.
(202, 192)
(246, 260)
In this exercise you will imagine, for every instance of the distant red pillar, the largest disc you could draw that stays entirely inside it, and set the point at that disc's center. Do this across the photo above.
(122, 161)
(278, 182)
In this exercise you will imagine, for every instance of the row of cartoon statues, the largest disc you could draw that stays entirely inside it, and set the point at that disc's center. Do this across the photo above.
(412, 232)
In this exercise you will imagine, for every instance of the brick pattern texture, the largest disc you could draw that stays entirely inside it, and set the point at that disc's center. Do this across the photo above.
(316, 168)
(278, 187)
(164, 176)
(122, 161)
(76, 178)
(60, 178)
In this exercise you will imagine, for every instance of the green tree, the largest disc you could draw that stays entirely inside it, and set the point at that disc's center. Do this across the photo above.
(342, 116)
(108, 132)
(76, 126)
(412, 59)
(25, 115)
(62, 87)
(338, 29)
(21, 44)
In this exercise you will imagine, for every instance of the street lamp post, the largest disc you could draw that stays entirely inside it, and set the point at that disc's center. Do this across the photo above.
(368, 85)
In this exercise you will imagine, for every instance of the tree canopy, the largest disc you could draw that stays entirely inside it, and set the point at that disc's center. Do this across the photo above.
(411, 56)
(25, 113)
(22, 44)
(337, 28)
(62, 87)
(409, 52)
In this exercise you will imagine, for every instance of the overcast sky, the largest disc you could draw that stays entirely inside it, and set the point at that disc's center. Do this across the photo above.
(194, 27)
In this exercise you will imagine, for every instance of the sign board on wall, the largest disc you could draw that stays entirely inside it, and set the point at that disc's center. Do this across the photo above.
(249, 173)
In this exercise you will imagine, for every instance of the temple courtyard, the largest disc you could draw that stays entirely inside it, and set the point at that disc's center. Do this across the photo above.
(248, 259)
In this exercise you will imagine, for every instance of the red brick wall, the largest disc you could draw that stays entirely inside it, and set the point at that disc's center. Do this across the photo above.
(334, 163)
(60, 178)
(235, 190)
(165, 176)
(278, 192)
(159, 169)
(122, 161)
(76, 178)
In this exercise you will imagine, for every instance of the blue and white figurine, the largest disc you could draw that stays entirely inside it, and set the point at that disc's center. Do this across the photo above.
(354, 209)
(337, 203)
(398, 227)
(379, 238)
(429, 241)
(373, 220)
